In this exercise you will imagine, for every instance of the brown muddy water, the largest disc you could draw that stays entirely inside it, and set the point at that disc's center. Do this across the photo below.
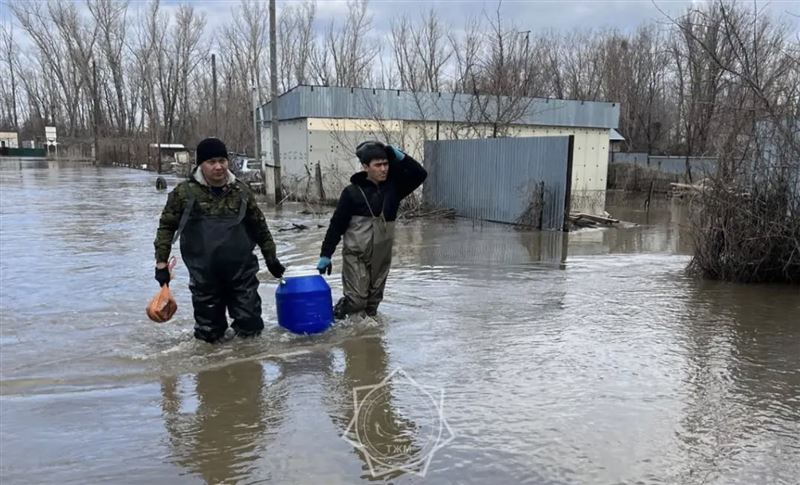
(499, 356)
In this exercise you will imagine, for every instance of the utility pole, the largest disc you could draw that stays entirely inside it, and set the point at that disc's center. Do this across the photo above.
(154, 110)
(14, 99)
(256, 135)
(214, 83)
(273, 81)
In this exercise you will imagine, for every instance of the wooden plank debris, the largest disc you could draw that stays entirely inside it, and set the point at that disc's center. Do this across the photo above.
(582, 219)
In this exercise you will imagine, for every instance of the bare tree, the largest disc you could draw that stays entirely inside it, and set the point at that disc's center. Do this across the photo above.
(79, 36)
(747, 224)
(421, 52)
(582, 65)
(8, 115)
(64, 44)
(147, 50)
(187, 52)
(347, 54)
(248, 37)
(503, 81)
(406, 57)
(466, 51)
(699, 78)
(243, 54)
(634, 73)
(110, 16)
(296, 39)
(553, 65)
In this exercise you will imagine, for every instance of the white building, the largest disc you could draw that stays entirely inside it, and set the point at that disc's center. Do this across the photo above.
(9, 139)
(320, 127)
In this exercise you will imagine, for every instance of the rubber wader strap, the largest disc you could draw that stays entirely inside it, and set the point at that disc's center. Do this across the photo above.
(184, 217)
(369, 207)
(242, 208)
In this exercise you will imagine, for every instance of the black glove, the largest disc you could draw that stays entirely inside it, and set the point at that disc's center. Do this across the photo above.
(162, 276)
(274, 266)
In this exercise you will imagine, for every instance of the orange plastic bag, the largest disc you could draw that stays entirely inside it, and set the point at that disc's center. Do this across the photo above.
(163, 306)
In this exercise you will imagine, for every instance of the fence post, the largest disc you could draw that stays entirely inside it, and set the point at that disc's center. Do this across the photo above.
(541, 204)
(568, 191)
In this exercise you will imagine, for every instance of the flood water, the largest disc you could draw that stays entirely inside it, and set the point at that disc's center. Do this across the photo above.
(545, 358)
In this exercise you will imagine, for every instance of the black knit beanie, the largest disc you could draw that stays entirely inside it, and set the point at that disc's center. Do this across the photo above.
(369, 151)
(210, 148)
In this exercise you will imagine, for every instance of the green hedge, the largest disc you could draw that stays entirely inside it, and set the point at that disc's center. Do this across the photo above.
(23, 152)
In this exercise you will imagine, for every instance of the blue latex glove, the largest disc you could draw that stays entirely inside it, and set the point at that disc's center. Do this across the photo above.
(324, 265)
(398, 155)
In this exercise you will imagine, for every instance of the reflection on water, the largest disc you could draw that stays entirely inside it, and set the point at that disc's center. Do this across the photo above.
(221, 421)
(744, 372)
(387, 435)
(587, 357)
(221, 434)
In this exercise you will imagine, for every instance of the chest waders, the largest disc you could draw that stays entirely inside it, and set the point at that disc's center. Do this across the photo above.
(367, 257)
(218, 252)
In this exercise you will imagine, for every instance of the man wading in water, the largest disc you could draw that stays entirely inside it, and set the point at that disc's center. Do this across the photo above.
(365, 217)
(219, 224)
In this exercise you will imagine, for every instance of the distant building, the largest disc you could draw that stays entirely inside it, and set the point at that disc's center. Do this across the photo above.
(321, 126)
(615, 139)
(9, 139)
(169, 157)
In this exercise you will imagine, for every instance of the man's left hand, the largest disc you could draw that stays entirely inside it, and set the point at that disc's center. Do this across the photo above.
(393, 151)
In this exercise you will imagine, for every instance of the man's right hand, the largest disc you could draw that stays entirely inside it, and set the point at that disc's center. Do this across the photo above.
(274, 266)
(162, 275)
(324, 265)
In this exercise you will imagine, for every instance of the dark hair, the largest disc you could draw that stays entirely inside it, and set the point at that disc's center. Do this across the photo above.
(370, 150)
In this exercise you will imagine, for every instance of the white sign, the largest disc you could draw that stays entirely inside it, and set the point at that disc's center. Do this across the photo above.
(50, 133)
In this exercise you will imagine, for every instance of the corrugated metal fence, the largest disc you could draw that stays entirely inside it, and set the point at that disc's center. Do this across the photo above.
(641, 172)
(512, 180)
(675, 165)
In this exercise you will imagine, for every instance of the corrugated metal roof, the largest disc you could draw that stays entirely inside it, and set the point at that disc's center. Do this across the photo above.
(614, 135)
(385, 104)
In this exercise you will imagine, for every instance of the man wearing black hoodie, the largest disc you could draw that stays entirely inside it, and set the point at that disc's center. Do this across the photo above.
(365, 217)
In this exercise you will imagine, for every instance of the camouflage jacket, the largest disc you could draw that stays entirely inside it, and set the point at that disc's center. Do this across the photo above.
(227, 203)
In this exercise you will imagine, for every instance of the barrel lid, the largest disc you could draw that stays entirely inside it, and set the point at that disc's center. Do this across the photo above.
(293, 284)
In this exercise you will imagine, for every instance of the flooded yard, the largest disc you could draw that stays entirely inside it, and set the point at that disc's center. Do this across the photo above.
(587, 357)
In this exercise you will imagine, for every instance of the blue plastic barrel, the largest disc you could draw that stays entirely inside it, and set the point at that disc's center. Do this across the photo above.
(304, 304)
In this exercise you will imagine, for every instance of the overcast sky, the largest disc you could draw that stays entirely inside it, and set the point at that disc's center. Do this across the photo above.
(527, 14)
(536, 15)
